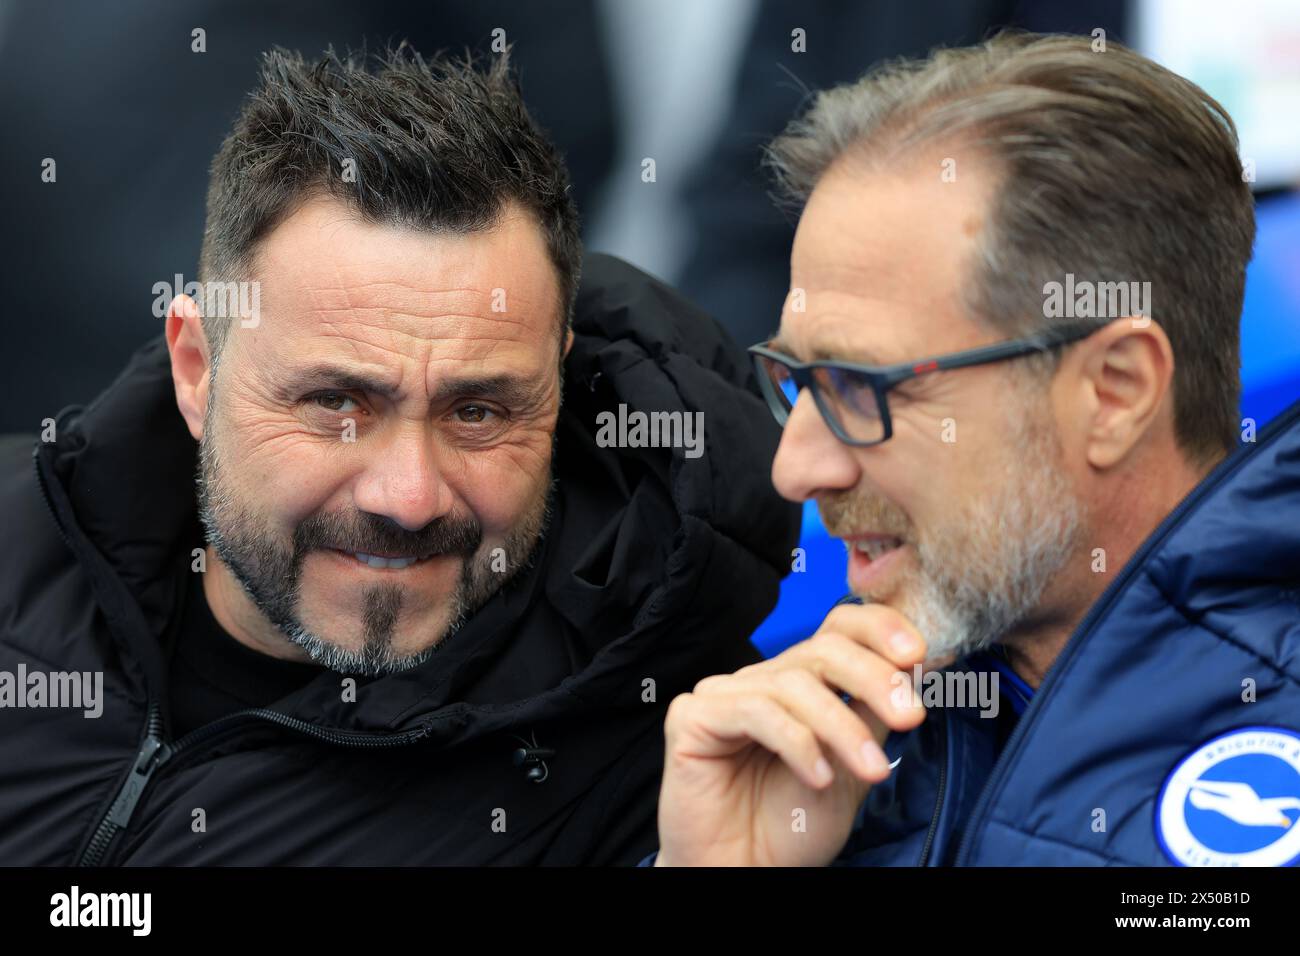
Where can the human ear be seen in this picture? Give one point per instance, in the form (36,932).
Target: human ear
(1126,371)
(191,361)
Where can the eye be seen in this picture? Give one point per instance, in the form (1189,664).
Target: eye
(852,391)
(474,414)
(335,402)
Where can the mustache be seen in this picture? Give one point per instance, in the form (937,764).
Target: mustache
(852,512)
(375,534)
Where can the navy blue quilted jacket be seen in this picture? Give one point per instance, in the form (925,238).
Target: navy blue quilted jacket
(1168,731)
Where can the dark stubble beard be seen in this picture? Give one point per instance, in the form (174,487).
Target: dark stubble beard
(270,570)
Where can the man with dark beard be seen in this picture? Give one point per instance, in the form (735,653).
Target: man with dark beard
(1007,373)
(417,612)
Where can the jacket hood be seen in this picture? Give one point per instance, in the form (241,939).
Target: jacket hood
(655,566)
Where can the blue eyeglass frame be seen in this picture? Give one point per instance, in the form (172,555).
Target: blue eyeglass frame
(882,378)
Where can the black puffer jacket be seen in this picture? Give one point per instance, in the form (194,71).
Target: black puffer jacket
(656,568)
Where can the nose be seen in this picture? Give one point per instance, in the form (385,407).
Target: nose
(810,459)
(404,481)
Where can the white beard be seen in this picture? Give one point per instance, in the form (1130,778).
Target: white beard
(976,584)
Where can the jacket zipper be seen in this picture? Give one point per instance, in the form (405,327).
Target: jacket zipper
(938,800)
(152,754)
(155,752)
(1040,699)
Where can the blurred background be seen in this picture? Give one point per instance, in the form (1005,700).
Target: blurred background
(132,115)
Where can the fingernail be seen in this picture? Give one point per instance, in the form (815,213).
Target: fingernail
(822,771)
(874,757)
(902,643)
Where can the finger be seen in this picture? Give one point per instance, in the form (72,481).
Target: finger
(711,726)
(879,627)
(865,676)
(855,742)
(837,726)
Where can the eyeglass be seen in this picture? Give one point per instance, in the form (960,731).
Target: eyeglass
(852,398)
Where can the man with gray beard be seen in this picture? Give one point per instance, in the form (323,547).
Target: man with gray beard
(979,577)
(1063,506)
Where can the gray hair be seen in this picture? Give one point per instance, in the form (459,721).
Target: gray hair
(1113,169)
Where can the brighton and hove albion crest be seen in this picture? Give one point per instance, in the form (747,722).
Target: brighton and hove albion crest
(1234,801)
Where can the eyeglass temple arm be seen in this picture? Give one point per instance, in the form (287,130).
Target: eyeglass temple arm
(986,354)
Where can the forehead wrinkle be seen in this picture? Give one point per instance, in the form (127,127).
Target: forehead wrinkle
(834,334)
(364,300)
(334,298)
(392,321)
(397,339)
(400,328)
(318,227)
(343,288)
(390,315)
(425,326)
